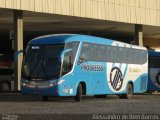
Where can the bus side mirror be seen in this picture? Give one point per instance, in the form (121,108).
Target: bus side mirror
(16,55)
(81,60)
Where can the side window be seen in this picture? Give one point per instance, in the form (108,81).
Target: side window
(69,57)
(154,62)
(67,64)
(135,57)
(124,55)
(74,47)
(114,54)
(95,55)
(97,52)
(131,55)
(120,54)
(143,56)
(108,54)
(103,53)
(86,54)
(138,57)
(128,56)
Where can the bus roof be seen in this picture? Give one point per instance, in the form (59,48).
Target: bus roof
(64,38)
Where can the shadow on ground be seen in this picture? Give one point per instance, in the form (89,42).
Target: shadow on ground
(17,97)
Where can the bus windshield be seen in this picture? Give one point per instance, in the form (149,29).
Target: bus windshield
(42,62)
(154,62)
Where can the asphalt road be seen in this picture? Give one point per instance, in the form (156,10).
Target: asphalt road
(15,103)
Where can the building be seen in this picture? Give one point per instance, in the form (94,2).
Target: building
(132,21)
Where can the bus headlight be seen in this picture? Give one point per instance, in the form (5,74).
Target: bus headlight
(60,82)
(23,84)
(56,83)
(52,84)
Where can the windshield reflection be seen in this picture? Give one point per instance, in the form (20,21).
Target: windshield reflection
(42,62)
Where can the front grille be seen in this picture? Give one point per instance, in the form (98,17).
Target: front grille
(44,83)
(38,83)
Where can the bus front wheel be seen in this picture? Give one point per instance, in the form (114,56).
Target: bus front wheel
(129,92)
(78,96)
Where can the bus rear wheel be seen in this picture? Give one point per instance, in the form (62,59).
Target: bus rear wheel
(45,98)
(129,92)
(78,96)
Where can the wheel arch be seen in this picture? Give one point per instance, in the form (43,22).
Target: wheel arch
(84,89)
(132,83)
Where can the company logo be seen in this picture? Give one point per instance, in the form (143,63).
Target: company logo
(158,78)
(116,79)
(86,67)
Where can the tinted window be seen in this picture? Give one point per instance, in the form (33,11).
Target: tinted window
(154,62)
(115,54)
(42,62)
(86,52)
(108,54)
(74,47)
(69,57)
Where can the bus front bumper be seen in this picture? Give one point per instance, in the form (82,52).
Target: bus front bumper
(44,91)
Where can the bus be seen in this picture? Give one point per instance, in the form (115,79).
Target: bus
(154,71)
(77,65)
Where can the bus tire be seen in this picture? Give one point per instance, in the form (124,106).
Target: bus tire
(78,96)
(129,92)
(100,96)
(45,98)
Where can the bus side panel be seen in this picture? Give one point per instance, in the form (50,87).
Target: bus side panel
(154,79)
(99,81)
(140,84)
(154,71)
(117,77)
(71,82)
(125,73)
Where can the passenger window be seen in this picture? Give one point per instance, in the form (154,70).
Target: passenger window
(114,54)
(85,54)
(67,64)
(74,47)
(108,54)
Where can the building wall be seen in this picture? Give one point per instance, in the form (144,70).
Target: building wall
(129,11)
(152,43)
